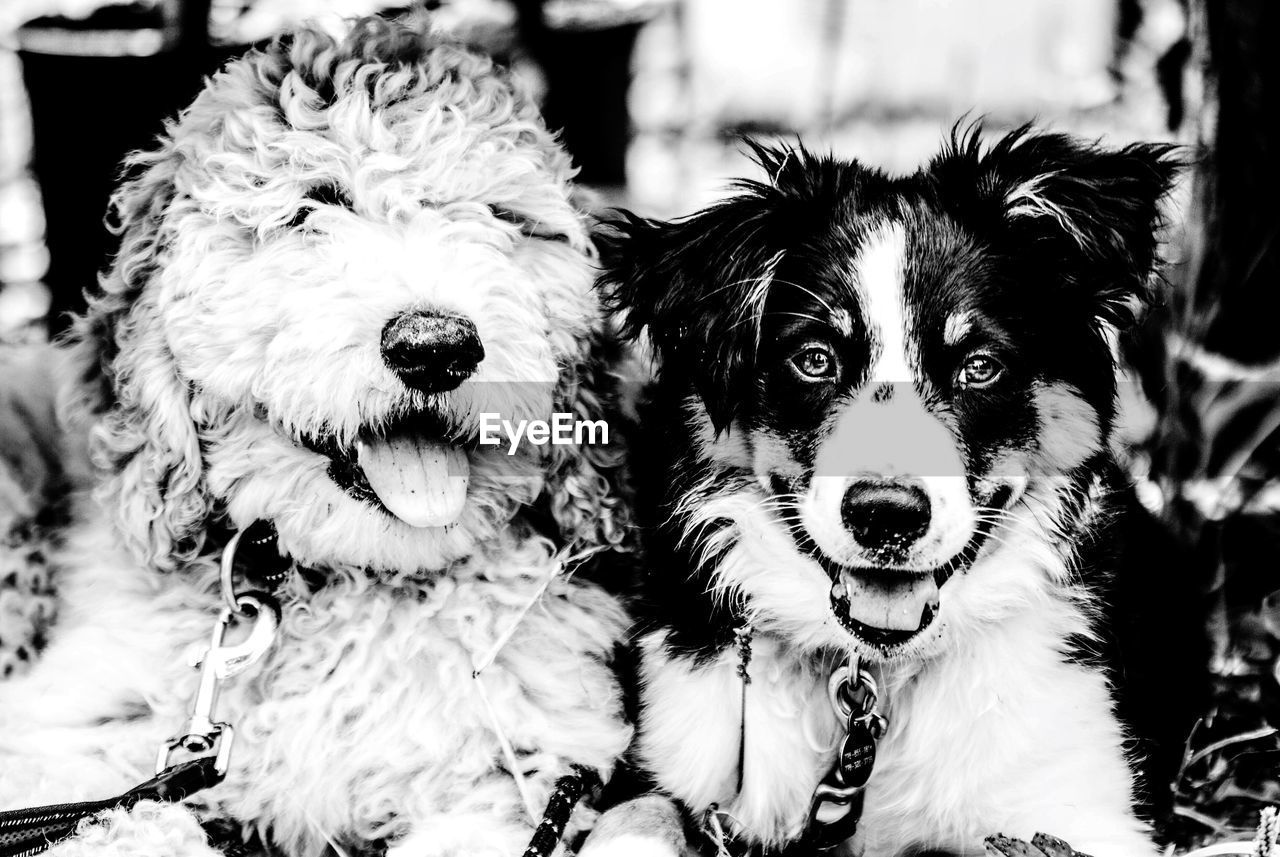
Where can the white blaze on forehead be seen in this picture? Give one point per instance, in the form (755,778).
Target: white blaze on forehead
(878,272)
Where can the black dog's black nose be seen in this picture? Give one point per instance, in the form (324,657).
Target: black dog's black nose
(431,351)
(885,515)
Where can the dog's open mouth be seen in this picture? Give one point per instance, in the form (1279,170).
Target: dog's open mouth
(889,607)
(886,608)
(413,468)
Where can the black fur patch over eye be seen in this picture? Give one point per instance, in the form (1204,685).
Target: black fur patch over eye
(319,196)
(527,227)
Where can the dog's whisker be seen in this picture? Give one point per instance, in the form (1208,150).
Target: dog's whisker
(508,750)
(809,292)
(712,293)
(802,315)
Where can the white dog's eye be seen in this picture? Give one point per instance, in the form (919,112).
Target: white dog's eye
(815,363)
(329,194)
(319,196)
(527,227)
(980,370)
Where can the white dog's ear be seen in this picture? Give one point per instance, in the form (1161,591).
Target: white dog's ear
(586,484)
(143,431)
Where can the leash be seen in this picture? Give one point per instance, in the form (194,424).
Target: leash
(569,789)
(25,832)
(717,831)
(742,639)
(198,757)
(836,806)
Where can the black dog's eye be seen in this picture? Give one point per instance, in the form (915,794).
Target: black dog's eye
(980,370)
(327,194)
(815,363)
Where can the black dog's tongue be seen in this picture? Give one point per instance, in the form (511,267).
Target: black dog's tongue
(893,601)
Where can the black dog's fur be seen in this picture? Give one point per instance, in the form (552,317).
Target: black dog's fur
(685,282)
(1044,284)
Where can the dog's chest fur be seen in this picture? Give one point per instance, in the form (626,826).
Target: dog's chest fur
(1004,734)
(364,715)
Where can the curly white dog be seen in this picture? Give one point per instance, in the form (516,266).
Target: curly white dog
(340,255)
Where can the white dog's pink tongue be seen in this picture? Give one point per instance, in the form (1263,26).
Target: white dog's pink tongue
(422,482)
(892,601)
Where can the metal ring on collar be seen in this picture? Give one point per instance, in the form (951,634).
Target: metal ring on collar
(851,690)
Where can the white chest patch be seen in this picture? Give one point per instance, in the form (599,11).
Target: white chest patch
(878,275)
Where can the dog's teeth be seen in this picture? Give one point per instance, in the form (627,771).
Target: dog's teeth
(422,482)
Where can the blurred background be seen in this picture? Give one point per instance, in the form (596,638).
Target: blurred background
(650,95)
(652,98)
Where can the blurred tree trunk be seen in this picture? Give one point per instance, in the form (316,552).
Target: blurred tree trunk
(1217,454)
(1234,283)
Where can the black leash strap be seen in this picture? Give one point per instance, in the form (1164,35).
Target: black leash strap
(25,832)
(569,790)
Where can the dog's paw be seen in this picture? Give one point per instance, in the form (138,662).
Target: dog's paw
(649,826)
(1041,845)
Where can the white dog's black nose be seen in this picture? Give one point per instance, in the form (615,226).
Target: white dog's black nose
(430,351)
(885,516)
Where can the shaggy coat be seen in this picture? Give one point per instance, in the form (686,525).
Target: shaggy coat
(234,366)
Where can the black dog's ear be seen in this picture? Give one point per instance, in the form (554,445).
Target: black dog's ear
(698,286)
(1094,211)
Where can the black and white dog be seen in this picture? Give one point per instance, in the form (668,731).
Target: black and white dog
(880,430)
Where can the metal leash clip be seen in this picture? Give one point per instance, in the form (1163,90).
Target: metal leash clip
(205,742)
(836,807)
(204,735)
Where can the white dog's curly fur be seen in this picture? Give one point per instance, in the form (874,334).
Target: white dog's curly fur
(313,191)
